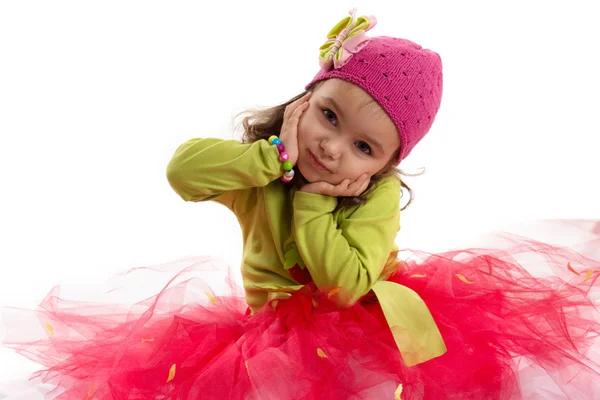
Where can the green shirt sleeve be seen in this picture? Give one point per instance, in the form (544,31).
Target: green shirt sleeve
(350,253)
(210,168)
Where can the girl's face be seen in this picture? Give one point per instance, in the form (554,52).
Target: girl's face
(343,134)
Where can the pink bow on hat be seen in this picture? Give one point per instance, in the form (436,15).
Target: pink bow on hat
(345,39)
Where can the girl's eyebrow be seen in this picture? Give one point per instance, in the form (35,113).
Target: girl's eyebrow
(374,142)
(337,107)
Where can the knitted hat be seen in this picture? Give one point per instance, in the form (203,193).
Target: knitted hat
(404,78)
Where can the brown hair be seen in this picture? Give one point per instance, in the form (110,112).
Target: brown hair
(262,123)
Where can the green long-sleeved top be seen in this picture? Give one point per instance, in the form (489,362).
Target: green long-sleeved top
(346,248)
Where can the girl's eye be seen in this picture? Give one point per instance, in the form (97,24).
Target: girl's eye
(331,117)
(363,147)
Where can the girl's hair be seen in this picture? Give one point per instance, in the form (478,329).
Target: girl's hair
(262,123)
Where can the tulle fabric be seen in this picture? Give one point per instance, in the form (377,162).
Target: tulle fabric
(509,334)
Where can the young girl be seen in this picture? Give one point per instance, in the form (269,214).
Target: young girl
(329,311)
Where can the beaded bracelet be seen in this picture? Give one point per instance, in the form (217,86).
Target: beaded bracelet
(288,175)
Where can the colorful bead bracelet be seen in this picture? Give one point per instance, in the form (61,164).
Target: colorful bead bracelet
(288,167)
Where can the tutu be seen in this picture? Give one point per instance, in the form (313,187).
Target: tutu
(509,334)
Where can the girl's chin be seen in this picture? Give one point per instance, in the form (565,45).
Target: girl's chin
(307,174)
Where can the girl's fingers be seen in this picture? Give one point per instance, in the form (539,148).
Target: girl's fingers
(293,121)
(346,188)
(344,184)
(293,106)
(292,118)
(353,188)
(363,187)
(342,188)
(299,110)
(358,184)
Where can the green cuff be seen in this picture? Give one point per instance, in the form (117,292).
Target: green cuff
(304,201)
(272,157)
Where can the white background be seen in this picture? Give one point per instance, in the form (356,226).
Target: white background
(96,96)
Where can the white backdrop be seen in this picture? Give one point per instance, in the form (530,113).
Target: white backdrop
(96,96)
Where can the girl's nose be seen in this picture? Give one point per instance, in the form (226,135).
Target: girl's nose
(331,148)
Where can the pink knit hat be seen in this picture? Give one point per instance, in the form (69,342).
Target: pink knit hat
(404,78)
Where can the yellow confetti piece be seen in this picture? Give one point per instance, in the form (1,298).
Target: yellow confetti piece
(321,353)
(171,373)
(211,298)
(398,392)
(90,393)
(247,368)
(465,280)
(333,292)
(418,275)
(144,340)
(588,275)
(50,329)
(572,270)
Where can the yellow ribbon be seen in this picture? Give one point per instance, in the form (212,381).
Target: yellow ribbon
(415,332)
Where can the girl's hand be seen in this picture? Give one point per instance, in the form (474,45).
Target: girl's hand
(289,129)
(346,188)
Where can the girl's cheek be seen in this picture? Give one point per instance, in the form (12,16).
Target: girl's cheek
(305,123)
(301,125)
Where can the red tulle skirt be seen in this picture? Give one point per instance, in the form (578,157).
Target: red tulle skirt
(509,334)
